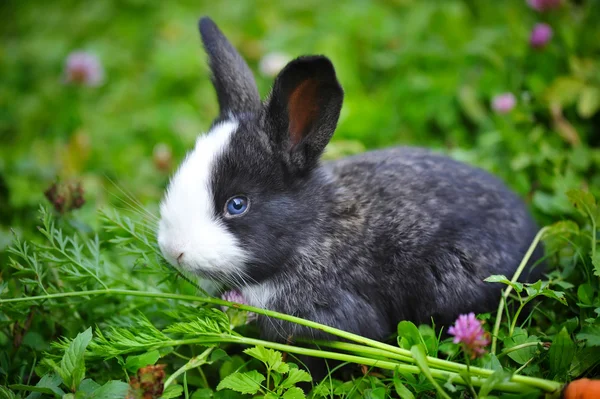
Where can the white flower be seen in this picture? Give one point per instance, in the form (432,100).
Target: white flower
(272,63)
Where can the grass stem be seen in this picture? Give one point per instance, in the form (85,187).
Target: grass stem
(508,289)
(441,369)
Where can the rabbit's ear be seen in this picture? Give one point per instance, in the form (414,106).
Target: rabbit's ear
(303,109)
(231,76)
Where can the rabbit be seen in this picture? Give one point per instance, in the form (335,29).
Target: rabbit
(359,243)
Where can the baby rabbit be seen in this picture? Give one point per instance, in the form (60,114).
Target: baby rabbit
(359,243)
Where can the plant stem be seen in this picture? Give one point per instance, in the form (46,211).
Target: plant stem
(449,368)
(593,239)
(444,375)
(192,364)
(418,351)
(444,364)
(469,384)
(439,363)
(185,387)
(508,289)
(361,349)
(593,221)
(203,376)
(524,365)
(516,348)
(517,313)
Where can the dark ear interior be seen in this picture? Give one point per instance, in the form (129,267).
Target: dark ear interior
(232,78)
(304,108)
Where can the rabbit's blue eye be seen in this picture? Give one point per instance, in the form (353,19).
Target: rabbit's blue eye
(237,205)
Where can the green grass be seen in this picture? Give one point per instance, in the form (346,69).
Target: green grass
(414,73)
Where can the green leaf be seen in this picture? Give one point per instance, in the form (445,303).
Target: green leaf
(323,390)
(218,354)
(590,334)
(585,203)
(32,388)
(377,393)
(231,365)
(519,337)
(72,364)
(450,387)
(209,321)
(134,363)
(248,382)
(596,263)
(50,381)
(430,339)
(294,393)
(114,390)
(276,377)
(471,105)
(87,386)
(558,295)
(565,285)
(490,361)
(559,233)
(541,288)
(564,90)
(533,289)
(571,324)
(409,335)
(585,294)
(589,101)
(202,393)
(295,376)
(172,391)
(55,367)
(35,341)
(418,353)
(561,353)
(271,358)
(401,389)
(564,227)
(6,393)
(498,377)
(586,359)
(344,389)
(227,394)
(498,278)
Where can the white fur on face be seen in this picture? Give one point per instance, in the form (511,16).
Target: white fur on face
(188,224)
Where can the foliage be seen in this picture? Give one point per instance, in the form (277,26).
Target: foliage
(283,376)
(88,308)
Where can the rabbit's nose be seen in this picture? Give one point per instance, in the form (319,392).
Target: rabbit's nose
(172,252)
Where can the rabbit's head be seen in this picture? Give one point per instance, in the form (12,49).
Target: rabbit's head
(243,198)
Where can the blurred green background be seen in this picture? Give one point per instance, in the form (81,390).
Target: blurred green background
(414,72)
(93,93)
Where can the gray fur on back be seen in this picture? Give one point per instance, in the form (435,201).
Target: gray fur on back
(404,233)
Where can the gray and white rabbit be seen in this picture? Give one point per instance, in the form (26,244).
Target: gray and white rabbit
(359,243)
